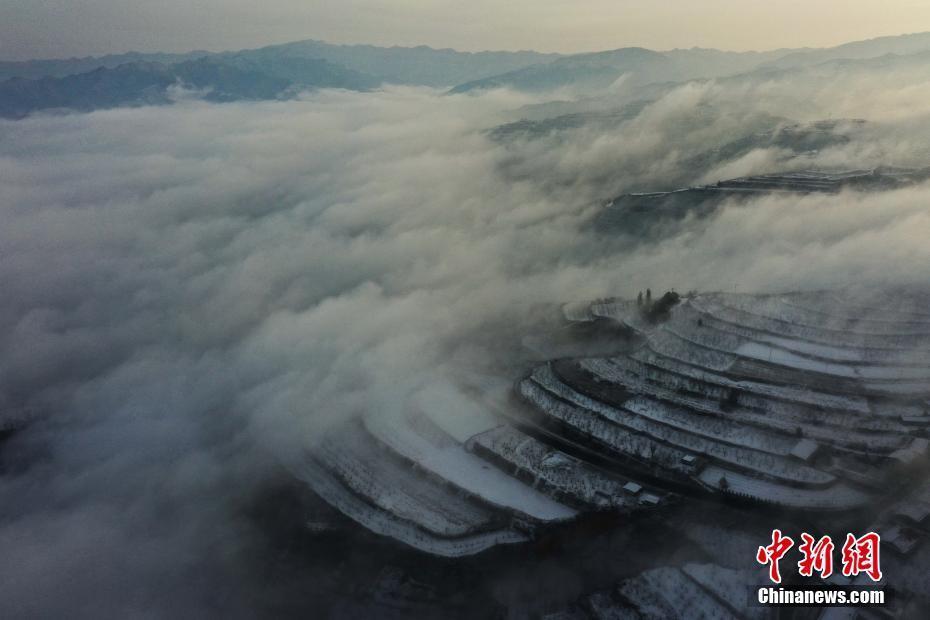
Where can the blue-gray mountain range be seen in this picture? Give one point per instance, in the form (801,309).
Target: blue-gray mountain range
(281,71)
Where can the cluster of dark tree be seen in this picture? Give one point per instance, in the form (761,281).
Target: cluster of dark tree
(656,311)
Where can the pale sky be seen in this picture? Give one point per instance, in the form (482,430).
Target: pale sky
(56,28)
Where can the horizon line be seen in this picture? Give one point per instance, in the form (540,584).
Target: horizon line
(458,51)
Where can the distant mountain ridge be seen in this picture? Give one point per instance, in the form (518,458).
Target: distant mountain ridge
(420,66)
(905,44)
(62,67)
(593,70)
(84,84)
(424,66)
(152,83)
(280,71)
(636,66)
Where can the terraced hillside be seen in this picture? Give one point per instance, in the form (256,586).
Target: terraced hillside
(455,487)
(638,213)
(693,591)
(804,401)
(810,403)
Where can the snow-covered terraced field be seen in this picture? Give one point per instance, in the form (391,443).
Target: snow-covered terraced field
(388,524)
(780,368)
(701,591)
(768,394)
(669,593)
(701,417)
(911,306)
(450,461)
(763,464)
(705,443)
(776,307)
(796,401)
(735,423)
(780,357)
(559,473)
(729,343)
(728,586)
(828,346)
(837,497)
(355,460)
(781,401)
(893,309)
(669,344)
(616,440)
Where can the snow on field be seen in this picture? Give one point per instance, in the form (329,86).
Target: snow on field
(906,308)
(822,351)
(668,593)
(869,344)
(557,471)
(386,524)
(743,457)
(698,416)
(835,347)
(729,586)
(758,351)
(772,355)
(727,343)
(898,388)
(837,497)
(691,312)
(357,462)
(614,438)
(830,427)
(776,307)
(450,461)
(800,395)
(834,308)
(671,345)
(812,350)
(737,424)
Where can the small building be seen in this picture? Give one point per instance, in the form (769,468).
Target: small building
(632,488)
(805,450)
(691,463)
(649,499)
